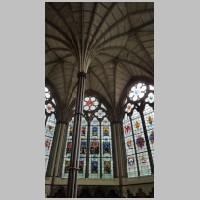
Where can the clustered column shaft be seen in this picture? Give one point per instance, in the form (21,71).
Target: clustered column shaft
(76,138)
(120,154)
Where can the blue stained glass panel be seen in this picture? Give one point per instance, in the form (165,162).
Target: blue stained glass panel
(83,147)
(94,130)
(94,167)
(106,147)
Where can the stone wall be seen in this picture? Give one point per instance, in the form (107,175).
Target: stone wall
(140,187)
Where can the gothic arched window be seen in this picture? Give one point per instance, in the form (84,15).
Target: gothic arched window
(95,159)
(139,129)
(50,123)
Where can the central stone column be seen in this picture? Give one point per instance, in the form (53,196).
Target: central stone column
(76,138)
(119,149)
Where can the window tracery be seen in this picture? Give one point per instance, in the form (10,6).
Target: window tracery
(139,105)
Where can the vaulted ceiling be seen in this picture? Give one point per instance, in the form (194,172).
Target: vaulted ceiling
(113,42)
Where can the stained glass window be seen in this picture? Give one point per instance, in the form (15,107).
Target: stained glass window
(139,124)
(129,107)
(83,150)
(149,121)
(67,153)
(130,150)
(100,114)
(90,103)
(96,143)
(106,138)
(49,133)
(50,124)
(94,160)
(141,147)
(137,91)
(150,98)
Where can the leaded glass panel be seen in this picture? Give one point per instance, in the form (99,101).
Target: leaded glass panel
(149,121)
(49,133)
(107,162)
(130,150)
(132,166)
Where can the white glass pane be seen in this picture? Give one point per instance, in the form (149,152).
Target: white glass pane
(144,87)
(151,87)
(93,98)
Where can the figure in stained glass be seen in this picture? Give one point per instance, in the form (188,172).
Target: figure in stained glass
(105,131)
(140,141)
(151,137)
(137,124)
(143,160)
(94,166)
(94,147)
(81,164)
(150,120)
(127,128)
(129,143)
(83,131)
(94,131)
(70,131)
(107,169)
(130,161)
(83,147)
(106,147)
(47,144)
(69,147)
(67,165)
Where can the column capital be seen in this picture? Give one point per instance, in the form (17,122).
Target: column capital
(76,139)
(79,74)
